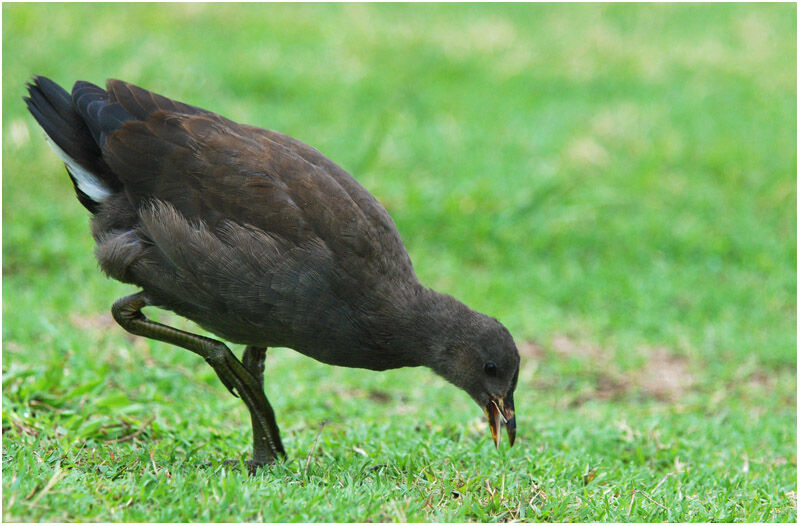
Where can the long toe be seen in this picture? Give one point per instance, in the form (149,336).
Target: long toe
(225,374)
(253,466)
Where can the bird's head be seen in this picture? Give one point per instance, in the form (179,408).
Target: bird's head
(480,357)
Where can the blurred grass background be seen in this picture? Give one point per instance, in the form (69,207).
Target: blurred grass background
(616,183)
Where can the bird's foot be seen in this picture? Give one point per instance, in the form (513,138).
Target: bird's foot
(221,360)
(252,465)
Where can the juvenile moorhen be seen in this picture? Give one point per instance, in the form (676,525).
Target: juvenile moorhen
(263,241)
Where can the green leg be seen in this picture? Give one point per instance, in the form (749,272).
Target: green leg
(253,360)
(237,378)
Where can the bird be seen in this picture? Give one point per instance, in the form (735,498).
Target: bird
(263,241)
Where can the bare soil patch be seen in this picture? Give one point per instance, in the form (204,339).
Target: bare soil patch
(665,375)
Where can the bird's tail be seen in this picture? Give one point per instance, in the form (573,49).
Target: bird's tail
(58,113)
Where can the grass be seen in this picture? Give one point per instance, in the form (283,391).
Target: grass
(616,183)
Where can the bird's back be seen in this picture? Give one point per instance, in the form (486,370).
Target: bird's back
(213,169)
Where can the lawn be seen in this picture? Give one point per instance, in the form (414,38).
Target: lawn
(616,183)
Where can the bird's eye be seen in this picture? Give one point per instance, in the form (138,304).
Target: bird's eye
(490,368)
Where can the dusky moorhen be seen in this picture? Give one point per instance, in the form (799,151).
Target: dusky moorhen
(263,241)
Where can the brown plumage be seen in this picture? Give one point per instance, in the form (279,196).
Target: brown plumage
(263,241)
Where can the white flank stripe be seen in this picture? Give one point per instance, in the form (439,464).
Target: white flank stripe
(87,181)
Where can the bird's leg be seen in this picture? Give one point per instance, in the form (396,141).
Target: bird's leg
(253,360)
(235,376)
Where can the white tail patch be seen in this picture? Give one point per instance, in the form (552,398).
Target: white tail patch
(86,180)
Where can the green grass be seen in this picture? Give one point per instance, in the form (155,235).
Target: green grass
(615,183)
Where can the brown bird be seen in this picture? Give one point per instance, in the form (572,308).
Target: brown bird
(263,241)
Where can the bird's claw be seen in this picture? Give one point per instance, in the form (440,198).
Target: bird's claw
(224,374)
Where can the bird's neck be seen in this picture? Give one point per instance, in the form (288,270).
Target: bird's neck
(421,329)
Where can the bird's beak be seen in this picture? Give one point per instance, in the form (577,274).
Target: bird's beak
(501,411)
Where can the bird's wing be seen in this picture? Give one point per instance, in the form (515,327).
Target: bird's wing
(212,169)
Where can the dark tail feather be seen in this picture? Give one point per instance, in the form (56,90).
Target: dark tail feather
(100,114)
(72,140)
